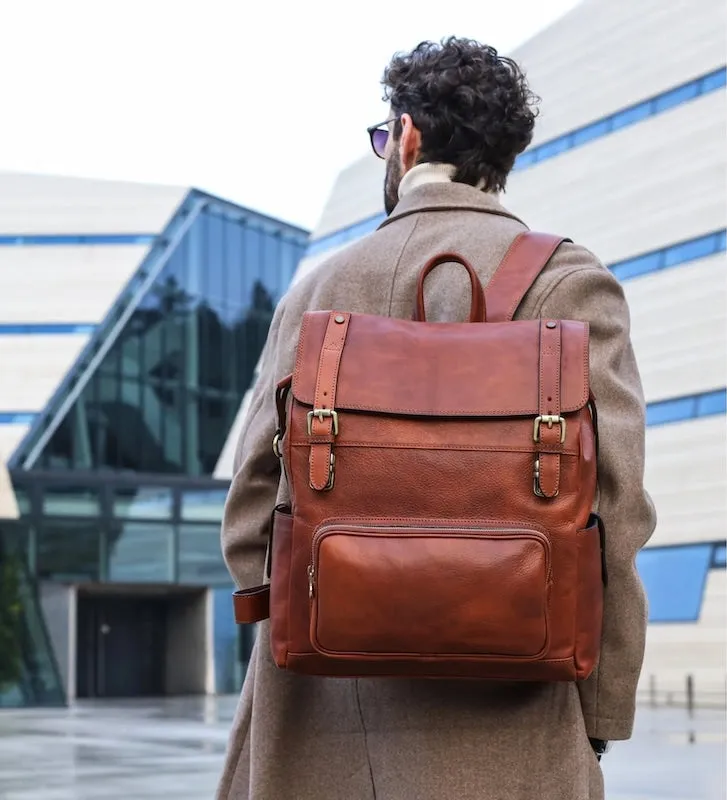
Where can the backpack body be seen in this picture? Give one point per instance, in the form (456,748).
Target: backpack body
(442,479)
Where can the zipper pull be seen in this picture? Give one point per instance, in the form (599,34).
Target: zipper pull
(311,580)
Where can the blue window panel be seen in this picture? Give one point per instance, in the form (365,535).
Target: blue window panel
(712,403)
(671,256)
(46,328)
(676,97)
(674,579)
(16,417)
(683,408)
(713,81)
(553,148)
(719,556)
(345,235)
(526,159)
(630,116)
(590,132)
(670,410)
(633,267)
(692,250)
(56,240)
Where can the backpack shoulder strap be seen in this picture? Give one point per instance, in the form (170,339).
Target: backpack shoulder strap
(523,262)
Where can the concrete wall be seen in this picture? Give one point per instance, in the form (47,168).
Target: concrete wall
(187,644)
(605,55)
(45,204)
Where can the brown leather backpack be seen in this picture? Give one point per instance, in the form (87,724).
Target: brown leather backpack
(442,478)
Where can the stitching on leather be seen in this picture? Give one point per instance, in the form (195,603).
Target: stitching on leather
(469,659)
(555,449)
(299,355)
(455,412)
(332,348)
(429,522)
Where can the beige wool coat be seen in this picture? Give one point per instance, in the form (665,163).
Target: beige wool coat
(307,738)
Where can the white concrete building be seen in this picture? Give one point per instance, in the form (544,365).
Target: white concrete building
(629,159)
(131,320)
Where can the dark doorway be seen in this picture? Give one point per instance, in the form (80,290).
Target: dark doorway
(121,646)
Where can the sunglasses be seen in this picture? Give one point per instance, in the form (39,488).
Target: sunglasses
(379,135)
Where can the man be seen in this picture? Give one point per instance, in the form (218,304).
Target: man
(460,114)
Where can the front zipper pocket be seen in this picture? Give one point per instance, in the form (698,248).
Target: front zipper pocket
(395,591)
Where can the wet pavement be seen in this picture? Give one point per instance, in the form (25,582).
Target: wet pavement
(174,748)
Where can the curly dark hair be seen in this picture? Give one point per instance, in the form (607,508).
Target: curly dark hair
(473,107)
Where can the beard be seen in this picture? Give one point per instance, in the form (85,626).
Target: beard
(391,184)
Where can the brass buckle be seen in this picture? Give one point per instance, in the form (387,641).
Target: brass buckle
(549,420)
(320,414)
(331,475)
(276,444)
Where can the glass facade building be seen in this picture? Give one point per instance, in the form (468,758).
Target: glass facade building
(114,480)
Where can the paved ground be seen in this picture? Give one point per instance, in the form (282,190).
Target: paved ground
(174,749)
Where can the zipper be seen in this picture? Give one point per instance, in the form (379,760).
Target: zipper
(311,580)
(355,528)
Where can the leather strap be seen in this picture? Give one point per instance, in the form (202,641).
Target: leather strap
(525,259)
(549,431)
(323,421)
(251,605)
(281,396)
(478,312)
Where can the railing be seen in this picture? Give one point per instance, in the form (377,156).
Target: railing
(689,693)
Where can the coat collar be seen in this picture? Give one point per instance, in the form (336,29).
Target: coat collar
(447,197)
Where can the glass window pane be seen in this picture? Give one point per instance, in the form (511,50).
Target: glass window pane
(215,262)
(145,502)
(638,266)
(674,579)
(670,411)
(210,307)
(204,504)
(629,116)
(140,552)
(23,499)
(590,132)
(235,267)
(714,81)
(554,148)
(690,251)
(70,501)
(69,550)
(525,159)
(677,96)
(200,555)
(712,403)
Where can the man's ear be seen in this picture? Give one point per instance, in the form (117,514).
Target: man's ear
(410,143)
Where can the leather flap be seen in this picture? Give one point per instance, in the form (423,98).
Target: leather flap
(441,369)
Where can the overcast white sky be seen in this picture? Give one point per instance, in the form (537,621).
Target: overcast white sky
(262,102)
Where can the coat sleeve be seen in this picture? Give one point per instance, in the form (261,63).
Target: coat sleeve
(256,475)
(590,293)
